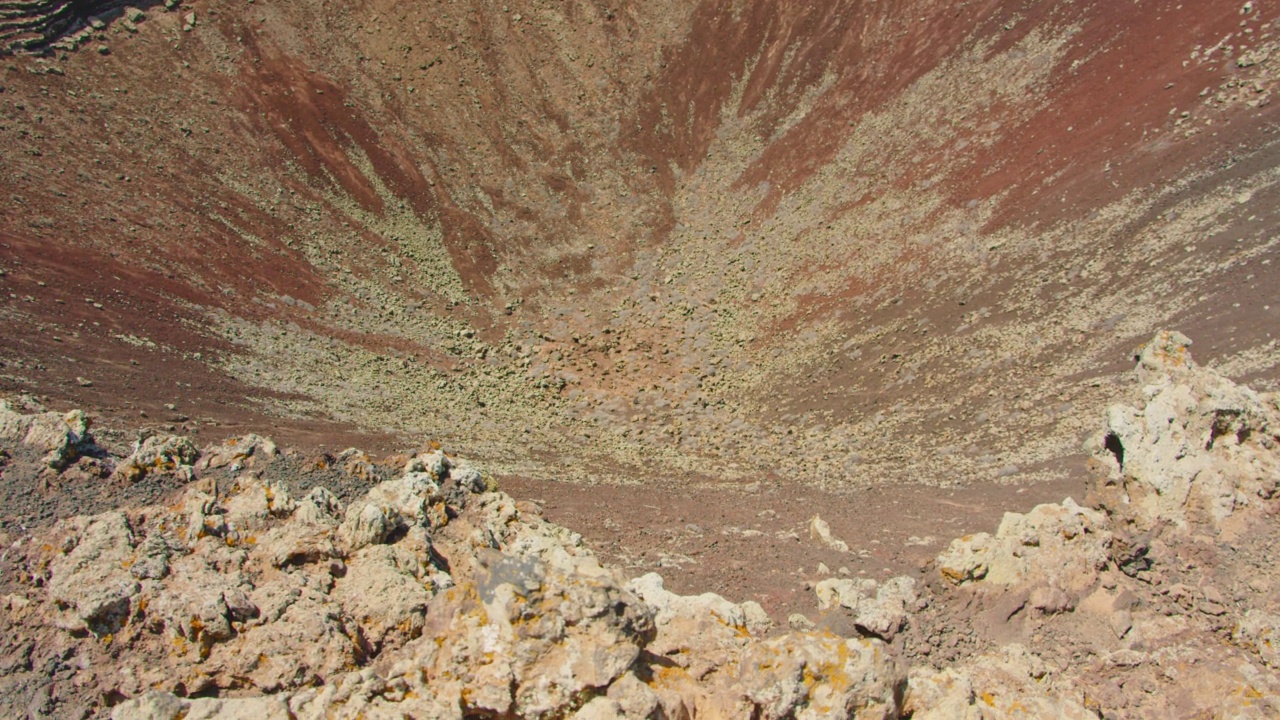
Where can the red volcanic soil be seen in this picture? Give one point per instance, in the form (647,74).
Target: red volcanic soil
(756,544)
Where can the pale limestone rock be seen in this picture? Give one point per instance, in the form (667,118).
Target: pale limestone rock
(252,505)
(1063,546)
(367,523)
(1009,683)
(308,642)
(700,633)
(357,464)
(632,697)
(1260,631)
(309,538)
(820,676)
(153,555)
(297,543)
(246,451)
(468,477)
(151,706)
(434,463)
(90,579)
(820,531)
(391,507)
(320,507)
(668,606)
(204,516)
(13,423)
(193,607)
(386,590)
(60,437)
(879,610)
(1198,449)
(164,706)
(967,558)
(158,455)
(941,695)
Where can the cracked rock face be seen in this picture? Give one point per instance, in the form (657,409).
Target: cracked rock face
(433,596)
(1196,450)
(1156,601)
(413,600)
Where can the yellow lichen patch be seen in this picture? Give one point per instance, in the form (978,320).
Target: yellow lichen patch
(668,676)
(988,698)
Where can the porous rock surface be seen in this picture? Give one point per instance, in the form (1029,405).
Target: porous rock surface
(434,595)
(1157,599)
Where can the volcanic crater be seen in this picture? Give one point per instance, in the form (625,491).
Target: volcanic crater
(683,274)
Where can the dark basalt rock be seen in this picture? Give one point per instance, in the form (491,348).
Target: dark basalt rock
(33,25)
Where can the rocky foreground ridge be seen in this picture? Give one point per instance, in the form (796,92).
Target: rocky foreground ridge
(435,595)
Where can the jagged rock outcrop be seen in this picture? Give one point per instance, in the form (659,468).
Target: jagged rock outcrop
(35,25)
(433,595)
(1198,448)
(430,596)
(60,437)
(25,24)
(1157,601)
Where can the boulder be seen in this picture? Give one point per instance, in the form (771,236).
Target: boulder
(158,455)
(61,438)
(820,532)
(90,579)
(1194,452)
(239,453)
(1059,545)
(880,610)
(1009,682)
(392,507)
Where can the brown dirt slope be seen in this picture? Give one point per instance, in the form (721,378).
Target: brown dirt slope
(715,241)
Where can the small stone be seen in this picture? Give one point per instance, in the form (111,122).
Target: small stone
(84,382)
(820,531)
(799,622)
(1209,607)
(1121,623)
(133,14)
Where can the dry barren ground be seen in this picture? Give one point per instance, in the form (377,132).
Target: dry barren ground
(681,272)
